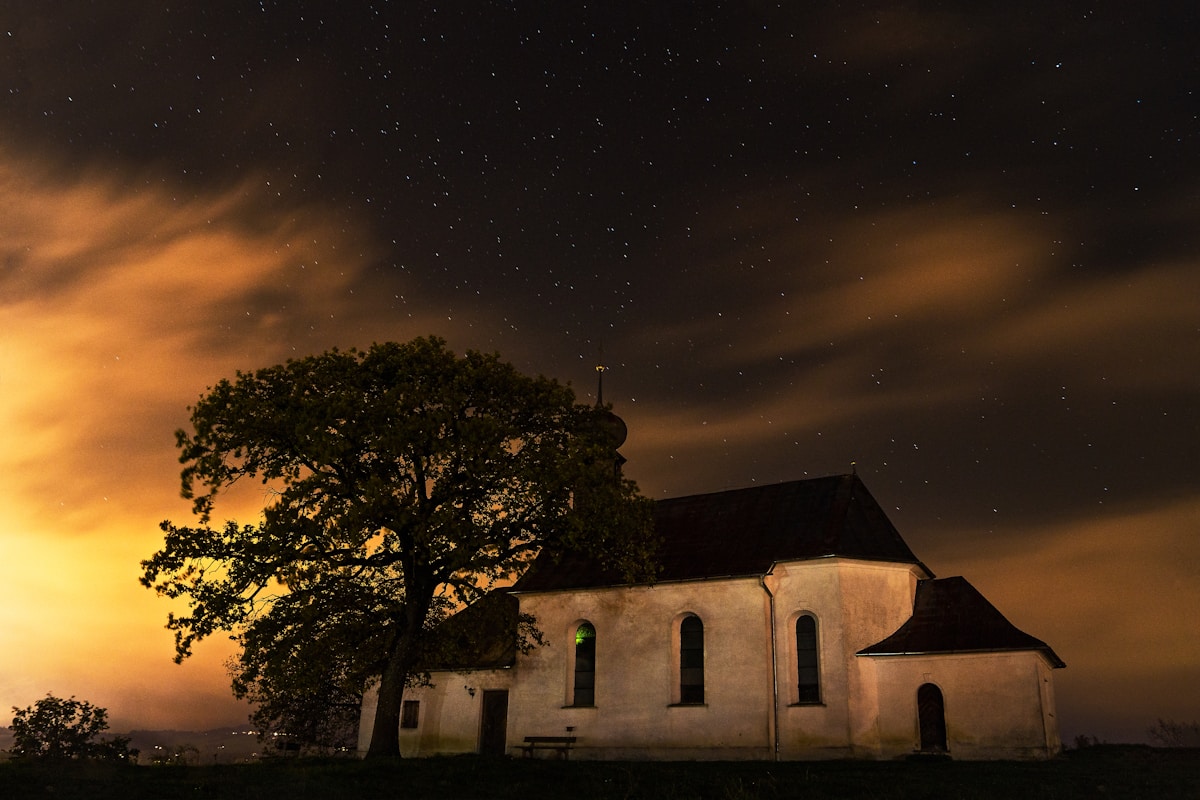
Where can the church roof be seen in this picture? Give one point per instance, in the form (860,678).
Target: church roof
(951,616)
(743,532)
(480,636)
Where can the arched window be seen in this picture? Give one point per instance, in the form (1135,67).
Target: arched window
(691,661)
(808,679)
(931,716)
(585,665)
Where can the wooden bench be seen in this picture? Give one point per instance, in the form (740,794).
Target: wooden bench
(560,743)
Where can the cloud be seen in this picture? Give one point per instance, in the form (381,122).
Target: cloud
(889,313)
(1141,324)
(1109,593)
(119,304)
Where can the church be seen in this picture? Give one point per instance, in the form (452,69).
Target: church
(788,621)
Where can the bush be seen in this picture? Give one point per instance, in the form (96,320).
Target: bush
(1169,733)
(54,729)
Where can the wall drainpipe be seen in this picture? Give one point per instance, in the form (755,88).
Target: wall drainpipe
(773,721)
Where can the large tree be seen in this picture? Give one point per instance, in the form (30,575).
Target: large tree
(406,483)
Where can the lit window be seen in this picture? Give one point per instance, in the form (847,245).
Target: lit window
(585,665)
(691,661)
(808,678)
(409,713)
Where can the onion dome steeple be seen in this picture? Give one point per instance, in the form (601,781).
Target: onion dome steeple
(612,425)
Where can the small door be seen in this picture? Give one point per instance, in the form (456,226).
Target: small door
(931,715)
(493,728)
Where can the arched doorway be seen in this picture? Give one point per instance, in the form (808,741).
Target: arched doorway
(931,716)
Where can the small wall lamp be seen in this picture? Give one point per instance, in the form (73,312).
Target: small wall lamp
(470,690)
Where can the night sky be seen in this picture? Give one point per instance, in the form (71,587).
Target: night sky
(957,249)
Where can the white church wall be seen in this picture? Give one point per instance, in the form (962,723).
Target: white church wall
(855,604)
(636,712)
(997,705)
(448,714)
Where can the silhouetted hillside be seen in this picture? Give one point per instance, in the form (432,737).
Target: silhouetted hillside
(218,745)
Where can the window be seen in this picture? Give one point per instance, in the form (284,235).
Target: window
(691,661)
(585,665)
(808,679)
(409,713)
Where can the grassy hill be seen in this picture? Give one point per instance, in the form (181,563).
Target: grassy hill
(1103,771)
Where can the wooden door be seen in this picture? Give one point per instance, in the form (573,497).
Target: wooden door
(931,716)
(493,727)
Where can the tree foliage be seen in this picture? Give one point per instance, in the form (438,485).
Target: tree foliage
(303,688)
(407,483)
(55,729)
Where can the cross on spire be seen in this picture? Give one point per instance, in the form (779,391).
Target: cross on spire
(600,370)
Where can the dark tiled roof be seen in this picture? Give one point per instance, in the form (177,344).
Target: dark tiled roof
(951,616)
(744,531)
(481,636)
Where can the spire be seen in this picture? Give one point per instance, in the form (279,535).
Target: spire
(600,370)
(613,425)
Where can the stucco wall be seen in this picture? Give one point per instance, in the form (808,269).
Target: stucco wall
(997,705)
(449,715)
(855,603)
(635,713)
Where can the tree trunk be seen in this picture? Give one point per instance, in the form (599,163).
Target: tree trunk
(385,731)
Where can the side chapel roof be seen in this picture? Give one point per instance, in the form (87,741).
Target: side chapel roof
(481,636)
(951,616)
(742,532)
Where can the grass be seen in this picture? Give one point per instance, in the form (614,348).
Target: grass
(1104,771)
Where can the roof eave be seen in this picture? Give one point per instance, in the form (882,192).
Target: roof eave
(732,576)
(1046,652)
(647,585)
